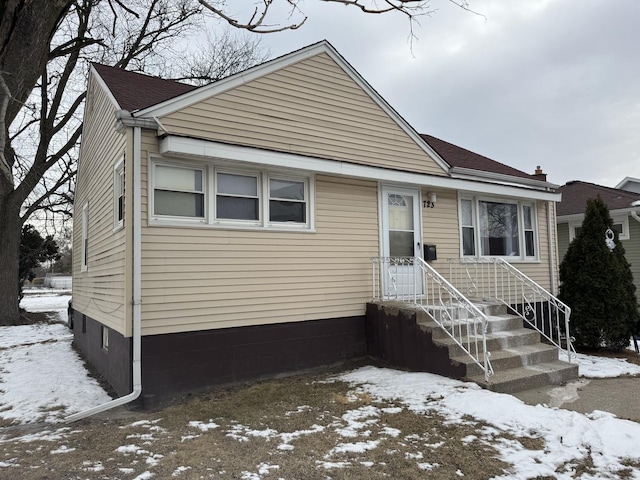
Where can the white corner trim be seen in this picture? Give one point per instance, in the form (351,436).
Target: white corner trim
(209,150)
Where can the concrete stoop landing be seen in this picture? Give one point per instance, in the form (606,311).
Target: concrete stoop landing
(520,359)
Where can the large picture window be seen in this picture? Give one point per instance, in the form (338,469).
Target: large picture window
(178,191)
(226,196)
(493,228)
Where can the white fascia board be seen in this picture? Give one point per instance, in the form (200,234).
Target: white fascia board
(461,172)
(200,94)
(205,149)
(96,76)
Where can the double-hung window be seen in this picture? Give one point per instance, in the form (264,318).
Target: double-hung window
(287,200)
(178,191)
(495,228)
(237,197)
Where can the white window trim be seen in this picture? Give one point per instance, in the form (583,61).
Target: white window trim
(209,184)
(118,184)
(84,261)
(475,199)
(172,219)
(307,199)
(617,220)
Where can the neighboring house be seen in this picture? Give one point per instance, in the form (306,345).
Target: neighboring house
(230,228)
(624,208)
(630,184)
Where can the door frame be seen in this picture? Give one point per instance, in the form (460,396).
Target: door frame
(383,217)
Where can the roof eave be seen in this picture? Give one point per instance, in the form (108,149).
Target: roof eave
(462,172)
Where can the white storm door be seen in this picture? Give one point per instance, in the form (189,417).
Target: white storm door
(401,240)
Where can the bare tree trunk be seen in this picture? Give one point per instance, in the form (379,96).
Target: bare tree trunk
(10,230)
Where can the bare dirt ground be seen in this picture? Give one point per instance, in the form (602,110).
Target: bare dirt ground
(301,427)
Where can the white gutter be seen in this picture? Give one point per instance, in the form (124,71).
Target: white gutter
(552,250)
(136,366)
(635,216)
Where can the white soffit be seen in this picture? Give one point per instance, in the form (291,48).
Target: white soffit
(209,150)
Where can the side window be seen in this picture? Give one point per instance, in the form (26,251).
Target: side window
(529,233)
(118,195)
(468,228)
(85,237)
(178,191)
(237,197)
(288,200)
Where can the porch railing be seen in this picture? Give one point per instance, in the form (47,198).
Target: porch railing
(496,279)
(411,280)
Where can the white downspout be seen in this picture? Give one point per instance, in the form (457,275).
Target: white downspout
(552,251)
(136,366)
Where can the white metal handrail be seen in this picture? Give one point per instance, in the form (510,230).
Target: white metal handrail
(412,280)
(495,278)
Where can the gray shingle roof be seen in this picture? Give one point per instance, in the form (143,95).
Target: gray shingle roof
(576,193)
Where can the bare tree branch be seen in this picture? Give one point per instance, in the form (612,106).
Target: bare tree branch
(256,21)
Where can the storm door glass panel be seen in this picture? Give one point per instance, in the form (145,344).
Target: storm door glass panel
(499,229)
(401,228)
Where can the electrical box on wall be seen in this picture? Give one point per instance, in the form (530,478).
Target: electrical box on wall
(430,253)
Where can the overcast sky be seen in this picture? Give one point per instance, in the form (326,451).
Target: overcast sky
(554,83)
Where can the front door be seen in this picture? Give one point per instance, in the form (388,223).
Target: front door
(401,239)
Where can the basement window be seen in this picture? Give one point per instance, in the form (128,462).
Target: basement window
(105,337)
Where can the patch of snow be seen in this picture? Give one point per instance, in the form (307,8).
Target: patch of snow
(591,366)
(357,447)
(179,471)
(203,426)
(392,432)
(330,465)
(568,436)
(428,466)
(62,449)
(126,470)
(144,476)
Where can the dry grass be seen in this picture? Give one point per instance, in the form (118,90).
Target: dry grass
(293,428)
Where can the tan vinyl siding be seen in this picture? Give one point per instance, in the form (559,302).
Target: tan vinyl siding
(99,292)
(440,227)
(311,108)
(203,278)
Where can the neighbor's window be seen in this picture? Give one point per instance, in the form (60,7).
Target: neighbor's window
(237,197)
(178,191)
(118,195)
(621,226)
(287,200)
(504,229)
(85,237)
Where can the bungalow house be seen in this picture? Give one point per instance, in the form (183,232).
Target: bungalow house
(623,202)
(227,232)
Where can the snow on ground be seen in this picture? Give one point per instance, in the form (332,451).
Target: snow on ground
(41,377)
(590,366)
(569,436)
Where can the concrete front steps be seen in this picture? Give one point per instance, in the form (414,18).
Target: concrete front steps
(520,360)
